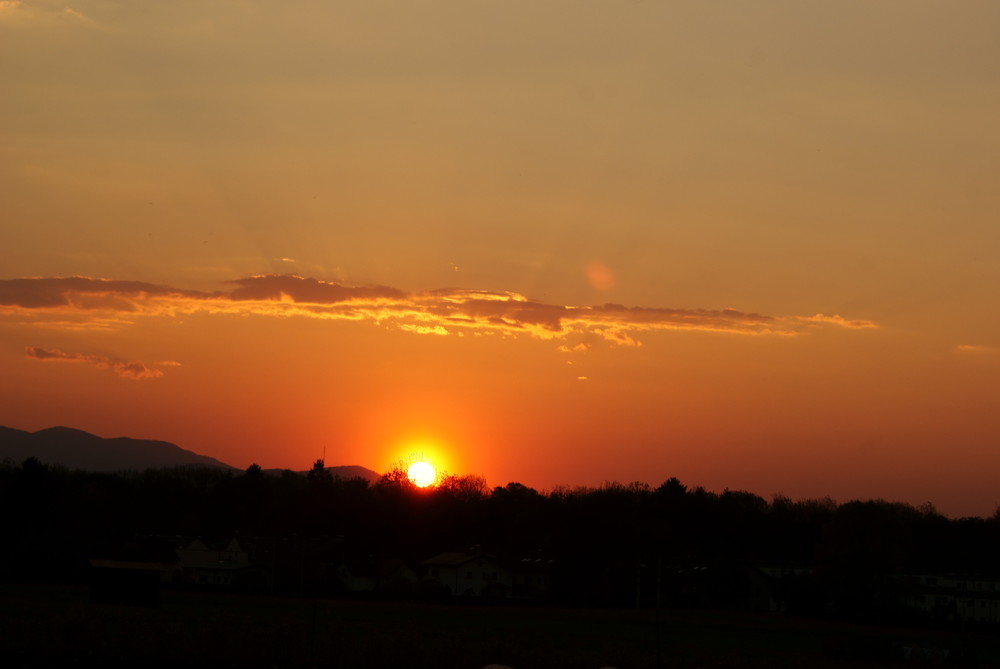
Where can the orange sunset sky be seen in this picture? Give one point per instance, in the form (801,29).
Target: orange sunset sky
(752,245)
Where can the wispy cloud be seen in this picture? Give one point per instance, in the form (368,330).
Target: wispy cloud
(837,319)
(134,370)
(105,303)
(17,13)
(978,349)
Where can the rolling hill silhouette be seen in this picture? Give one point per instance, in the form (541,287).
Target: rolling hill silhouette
(76,449)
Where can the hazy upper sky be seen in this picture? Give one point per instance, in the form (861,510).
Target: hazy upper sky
(748,244)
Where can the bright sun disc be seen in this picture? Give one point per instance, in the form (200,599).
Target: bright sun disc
(421,474)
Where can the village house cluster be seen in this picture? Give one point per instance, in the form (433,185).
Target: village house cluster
(324,567)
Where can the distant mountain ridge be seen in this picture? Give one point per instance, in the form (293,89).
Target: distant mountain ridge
(76,449)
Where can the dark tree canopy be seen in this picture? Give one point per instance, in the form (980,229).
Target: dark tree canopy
(595,536)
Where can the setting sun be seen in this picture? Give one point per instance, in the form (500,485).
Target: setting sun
(421,474)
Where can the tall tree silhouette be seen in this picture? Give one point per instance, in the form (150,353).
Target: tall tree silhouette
(319,474)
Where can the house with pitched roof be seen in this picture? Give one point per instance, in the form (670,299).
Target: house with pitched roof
(468,574)
(224,565)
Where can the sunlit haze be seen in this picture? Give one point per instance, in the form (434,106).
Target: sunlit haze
(748,245)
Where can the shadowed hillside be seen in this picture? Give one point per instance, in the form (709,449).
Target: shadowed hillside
(76,449)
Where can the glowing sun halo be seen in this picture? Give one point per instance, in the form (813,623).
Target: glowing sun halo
(421,474)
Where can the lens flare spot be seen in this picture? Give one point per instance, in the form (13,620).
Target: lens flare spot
(600,276)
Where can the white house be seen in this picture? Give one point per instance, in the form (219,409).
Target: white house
(219,566)
(955,596)
(469,574)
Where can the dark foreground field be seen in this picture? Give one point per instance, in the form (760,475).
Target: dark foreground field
(43,625)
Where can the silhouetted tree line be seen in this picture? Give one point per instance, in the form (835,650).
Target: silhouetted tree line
(611,545)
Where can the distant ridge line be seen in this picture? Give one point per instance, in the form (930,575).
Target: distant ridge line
(76,449)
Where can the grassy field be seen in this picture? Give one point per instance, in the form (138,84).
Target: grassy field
(42,625)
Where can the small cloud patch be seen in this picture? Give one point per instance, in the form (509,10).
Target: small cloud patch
(133,370)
